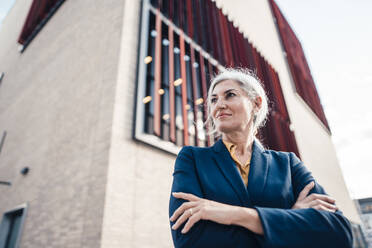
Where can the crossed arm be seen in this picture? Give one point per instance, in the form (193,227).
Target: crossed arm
(197,208)
(313,221)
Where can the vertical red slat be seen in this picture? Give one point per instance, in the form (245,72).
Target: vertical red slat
(278,93)
(257,63)
(210,69)
(224,38)
(227,44)
(189,19)
(205,93)
(233,44)
(157,99)
(250,57)
(170,10)
(184,91)
(239,48)
(180,14)
(172,103)
(213,18)
(199,23)
(194,91)
(211,73)
(280,132)
(244,48)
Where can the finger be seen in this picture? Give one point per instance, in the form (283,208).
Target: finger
(322,197)
(191,221)
(319,202)
(305,191)
(184,206)
(185,196)
(181,219)
(320,207)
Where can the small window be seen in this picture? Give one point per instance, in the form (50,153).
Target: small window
(11,227)
(2,141)
(359,240)
(40,12)
(1,77)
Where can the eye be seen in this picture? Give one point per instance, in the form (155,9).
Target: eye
(230,94)
(214,100)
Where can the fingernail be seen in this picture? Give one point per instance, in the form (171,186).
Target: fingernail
(174,227)
(183,231)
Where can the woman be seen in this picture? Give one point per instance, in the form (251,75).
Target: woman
(237,194)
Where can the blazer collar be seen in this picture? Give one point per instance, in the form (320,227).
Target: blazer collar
(257,173)
(228,168)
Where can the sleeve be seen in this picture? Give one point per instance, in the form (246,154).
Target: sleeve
(204,233)
(293,228)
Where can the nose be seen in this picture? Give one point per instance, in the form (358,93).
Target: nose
(220,104)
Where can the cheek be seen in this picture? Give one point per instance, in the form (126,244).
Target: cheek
(244,112)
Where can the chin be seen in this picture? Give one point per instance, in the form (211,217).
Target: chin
(225,128)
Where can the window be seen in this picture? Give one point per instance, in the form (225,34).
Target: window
(1,77)
(299,68)
(183,43)
(11,227)
(2,141)
(359,240)
(40,12)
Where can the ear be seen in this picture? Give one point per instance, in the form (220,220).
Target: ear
(258,102)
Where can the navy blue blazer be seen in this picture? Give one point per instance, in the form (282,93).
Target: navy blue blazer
(274,183)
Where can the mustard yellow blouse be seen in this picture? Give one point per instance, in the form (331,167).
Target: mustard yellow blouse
(243,169)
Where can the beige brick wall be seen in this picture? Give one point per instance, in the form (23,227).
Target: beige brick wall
(56,104)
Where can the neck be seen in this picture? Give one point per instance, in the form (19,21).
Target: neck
(243,141)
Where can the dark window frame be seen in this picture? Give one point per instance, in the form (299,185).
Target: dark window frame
(6,224)
(2,141)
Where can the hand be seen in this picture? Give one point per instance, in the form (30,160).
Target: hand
(316,201)
(199,209)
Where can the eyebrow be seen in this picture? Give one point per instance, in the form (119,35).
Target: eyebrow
(226,91)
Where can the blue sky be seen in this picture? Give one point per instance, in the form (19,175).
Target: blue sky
(5,5)
(337,37)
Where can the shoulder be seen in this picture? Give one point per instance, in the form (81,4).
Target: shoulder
(281,157)
(194,150)
(190,156)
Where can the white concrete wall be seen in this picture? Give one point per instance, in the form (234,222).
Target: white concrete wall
(255,19)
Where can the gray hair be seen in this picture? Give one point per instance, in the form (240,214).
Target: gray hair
(250,84)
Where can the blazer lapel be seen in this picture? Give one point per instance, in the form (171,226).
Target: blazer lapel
(227,166)
(258,171)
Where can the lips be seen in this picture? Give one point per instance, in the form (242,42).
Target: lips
(221,115)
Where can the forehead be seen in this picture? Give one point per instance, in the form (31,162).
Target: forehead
(224,85)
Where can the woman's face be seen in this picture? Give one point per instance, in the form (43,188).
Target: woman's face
(231,108)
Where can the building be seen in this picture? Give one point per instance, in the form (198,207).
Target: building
(365,211)
(96,98)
